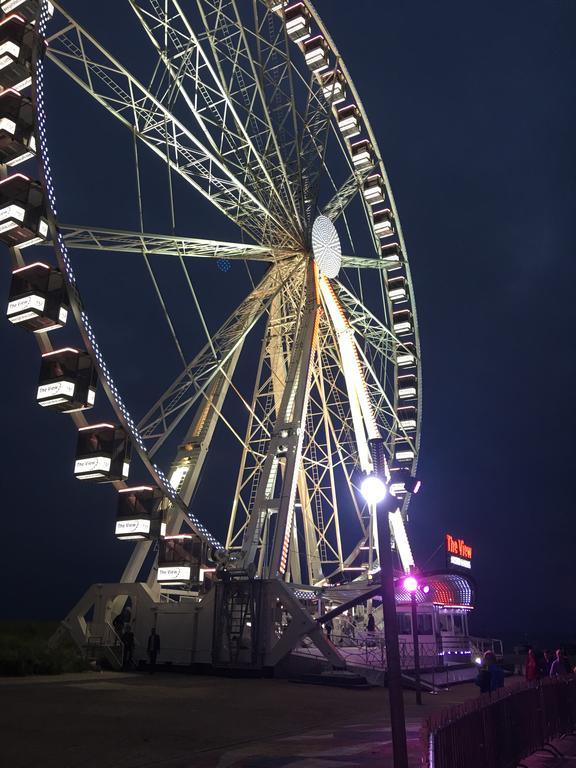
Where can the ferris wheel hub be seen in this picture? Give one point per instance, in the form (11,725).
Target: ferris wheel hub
(326,246)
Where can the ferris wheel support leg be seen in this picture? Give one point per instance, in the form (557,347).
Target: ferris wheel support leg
(134,565)
(295,570)
(301,625)
(278,366)
(313,564)
(286,443)
(292,419)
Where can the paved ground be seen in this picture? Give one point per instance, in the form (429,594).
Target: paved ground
(175,721)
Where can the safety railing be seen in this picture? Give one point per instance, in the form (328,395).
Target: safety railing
(104,640)
(368,649)
(498,730)
(480,645)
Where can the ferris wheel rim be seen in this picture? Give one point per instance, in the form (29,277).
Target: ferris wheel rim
(382,167)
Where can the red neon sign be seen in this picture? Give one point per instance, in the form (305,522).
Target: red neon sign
(458,547)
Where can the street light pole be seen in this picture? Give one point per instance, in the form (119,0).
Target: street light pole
(411,584)
(393,666)
(415,643)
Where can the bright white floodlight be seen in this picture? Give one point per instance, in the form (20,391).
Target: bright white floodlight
(373,489)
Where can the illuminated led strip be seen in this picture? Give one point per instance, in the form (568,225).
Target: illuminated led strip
(365,426)
(401,540)
(64,257)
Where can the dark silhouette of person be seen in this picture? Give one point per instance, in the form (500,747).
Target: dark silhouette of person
(118,624)
(128,642)
(490,676)
(548,661)
(532,670)
(371,625)
(329,627)
(153,649)
(560,665)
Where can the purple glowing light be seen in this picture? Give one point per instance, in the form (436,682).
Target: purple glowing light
(410,584)
(425,589)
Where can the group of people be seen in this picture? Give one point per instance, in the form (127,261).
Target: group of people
(126,635)
(540,664)
(348,628)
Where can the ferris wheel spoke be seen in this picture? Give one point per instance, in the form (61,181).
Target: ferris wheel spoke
(192,77)
(277,74)
(173,405)
(269,383)
(121,241)
(314,140)
(83,59)
(331,448)
(345,194)
(384,411)
(226,33)
(369,327)
(369,262)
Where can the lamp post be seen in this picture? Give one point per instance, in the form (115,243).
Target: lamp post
(376,494)
(411,585)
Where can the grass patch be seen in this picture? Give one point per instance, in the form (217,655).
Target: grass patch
(25,650)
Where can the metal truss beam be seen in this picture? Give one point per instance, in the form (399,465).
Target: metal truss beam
(276,491)
(367,262)
(313,142)
(367,324)
(237,63)
(81,57)
(190,385)
(277,74)
(283,318)
(101,239)
(193,78)
(345,194)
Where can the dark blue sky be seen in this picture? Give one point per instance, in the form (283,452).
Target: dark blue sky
(473,106)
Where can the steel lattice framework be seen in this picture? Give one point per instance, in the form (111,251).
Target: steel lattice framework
(251,105)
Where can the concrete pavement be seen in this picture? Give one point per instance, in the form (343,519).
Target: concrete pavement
(110,720)
(182,721)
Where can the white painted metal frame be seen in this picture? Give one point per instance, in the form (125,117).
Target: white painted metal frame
(260,144)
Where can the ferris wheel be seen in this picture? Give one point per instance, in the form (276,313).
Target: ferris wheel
(250,109)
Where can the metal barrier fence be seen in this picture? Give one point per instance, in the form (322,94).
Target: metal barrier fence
(497,730)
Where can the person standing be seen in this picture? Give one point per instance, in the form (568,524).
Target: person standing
(118,624)
(491,676)
(329,627)
(153,649)
(560,665)
(128,642)
(371,624)
(548,661)
(532,671)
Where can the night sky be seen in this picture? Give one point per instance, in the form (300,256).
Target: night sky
(473,106)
